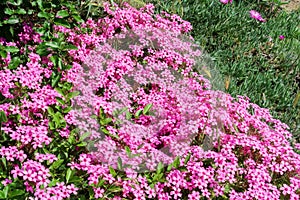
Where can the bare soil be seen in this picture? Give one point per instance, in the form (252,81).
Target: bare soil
(292,5)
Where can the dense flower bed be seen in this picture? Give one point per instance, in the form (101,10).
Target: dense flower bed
(45,151)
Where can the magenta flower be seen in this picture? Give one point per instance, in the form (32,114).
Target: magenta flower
(256,15)
(281,37)
(225,1)
(6,182)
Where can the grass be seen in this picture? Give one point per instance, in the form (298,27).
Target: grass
(268,72)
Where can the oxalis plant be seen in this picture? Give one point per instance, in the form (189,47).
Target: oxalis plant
(126,107)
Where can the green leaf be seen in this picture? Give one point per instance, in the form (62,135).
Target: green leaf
(227,189)
(57,164)
(104,130)
(11,49)
(61,22)
(85,135)
(2,195)
(51,126)
(21,11)
(70,47)
(120,164)
(140,146)
(82,144)
(112,171)
(115,188)
(71,139)
(3,54)
(5,191)
(9,11)
(4,162)
(18,117)
(11,30)
(60,64)
(50,111)
(16,3)
(45,15)
(151,113)
(3,117)
(138,113)
(63,13)
(60,100)
(69,174)
(75,179)
(72,94)
(128,151)
(157,177)
(52,44)
(176,162)
(30,12)
(59,90)
(160,168)
(55,80)
(67,109)
(105,121)
(101,113)
(58,118)
(14,63)
(128,115)
(236,128)
(53,182)
(147,108)
(170,166)
(67,67)
(67,86)
(11,20)
(100,183)
(40,4)
(16,192)
(78,18)
(187,158)
(42,50)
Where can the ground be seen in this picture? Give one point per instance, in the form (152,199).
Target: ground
(292,5)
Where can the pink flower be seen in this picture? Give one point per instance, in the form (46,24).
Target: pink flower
(99,192)
(194,196)
(256,15)
(281,37)
(6,182)
(297,146)
(225,1)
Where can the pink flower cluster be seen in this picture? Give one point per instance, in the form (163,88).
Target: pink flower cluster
(250,153)
(36,136)
(33,172)
(58,192)
(29,35)
(35,175)
(243,155)
(42,157)
(11,153)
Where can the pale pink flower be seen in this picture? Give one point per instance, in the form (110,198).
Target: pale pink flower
(6,182)
(256,15)
(99,192)
(225,1)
